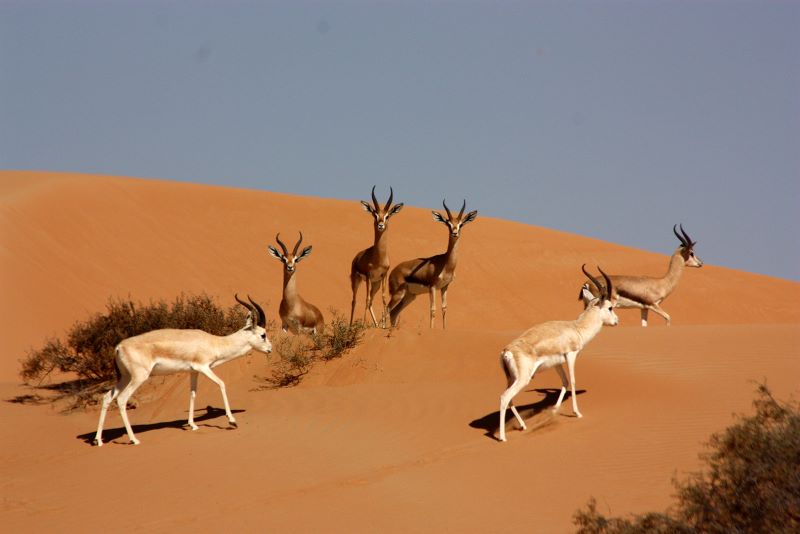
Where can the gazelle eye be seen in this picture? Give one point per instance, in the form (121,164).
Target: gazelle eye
(610,308)
(264,336)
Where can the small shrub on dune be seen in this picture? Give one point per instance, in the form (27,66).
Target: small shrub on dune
(88,350)
(298,354)
(295,359)
(339,336)
(752,483)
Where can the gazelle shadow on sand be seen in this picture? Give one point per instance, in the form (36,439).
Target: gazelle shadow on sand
(541,408)
(114,433)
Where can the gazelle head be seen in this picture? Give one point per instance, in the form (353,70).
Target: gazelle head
(687,248)
(256,326)
(381,214)
(290,261)
(454,224)
(607,299)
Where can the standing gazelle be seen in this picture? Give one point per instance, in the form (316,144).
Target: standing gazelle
(169,351)
(645,292)
(297,315)
(372,264)
(426,275)
(551,344)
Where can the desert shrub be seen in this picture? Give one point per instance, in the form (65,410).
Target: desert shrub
(752,483)
(295,358)
(88,351)
(298,354)
(338,337)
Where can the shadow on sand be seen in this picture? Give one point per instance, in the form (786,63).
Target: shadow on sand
(110,434)
(489,423)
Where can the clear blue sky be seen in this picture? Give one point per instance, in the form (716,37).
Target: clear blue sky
(614,120)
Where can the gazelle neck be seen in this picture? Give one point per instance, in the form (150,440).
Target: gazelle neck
(452,252)
(589,323)
(289,285)
(674,272)
(234,345)
(381,245)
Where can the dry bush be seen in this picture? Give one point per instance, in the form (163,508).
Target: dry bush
(298,354)
(88,350)
(338,337)
(752,483)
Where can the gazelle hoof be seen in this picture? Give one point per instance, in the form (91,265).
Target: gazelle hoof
(193,427)
(97,442)
(233,424)
(135,441)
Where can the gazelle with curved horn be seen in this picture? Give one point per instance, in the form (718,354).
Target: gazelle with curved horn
(552,344)
(372,264)
(170,351)
(645,292)
(297,315)
(426,275)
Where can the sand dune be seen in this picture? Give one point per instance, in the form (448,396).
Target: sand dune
(397,436)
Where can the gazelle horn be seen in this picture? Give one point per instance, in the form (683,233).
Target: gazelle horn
(262,317)
(294,252)
(608,283)
(375,200)
(391,197)
(278,239)
(593,279)
(449,215)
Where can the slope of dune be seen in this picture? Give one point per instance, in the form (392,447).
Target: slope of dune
(72,241)
(397,435)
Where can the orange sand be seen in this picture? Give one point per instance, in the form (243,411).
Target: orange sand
(397,435)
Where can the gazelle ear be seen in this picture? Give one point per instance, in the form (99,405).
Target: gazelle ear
(438,217)
(306,252)
(471,216)
(274,252)
(367,207)
(395,209)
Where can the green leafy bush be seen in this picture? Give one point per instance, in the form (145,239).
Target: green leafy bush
(752,483)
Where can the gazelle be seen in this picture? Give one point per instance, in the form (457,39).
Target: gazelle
(551,344)
(426,275)
(645,292)
(372,264)
(297,315)
(169,351)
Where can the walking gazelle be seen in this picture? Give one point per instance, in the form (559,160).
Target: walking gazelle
(170,351)
(646,292)
(552,344)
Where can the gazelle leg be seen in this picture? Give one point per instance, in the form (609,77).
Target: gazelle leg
(505,401)
(644,316)
(355,282)
(564,384)
(214,378)
(432,293)
(368,304)
(656,308)
(192,395)
(507,396)
(136,380)
(444,307)
(385,312)
(372,289)
(403,299)
(571,357)
(107,399)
